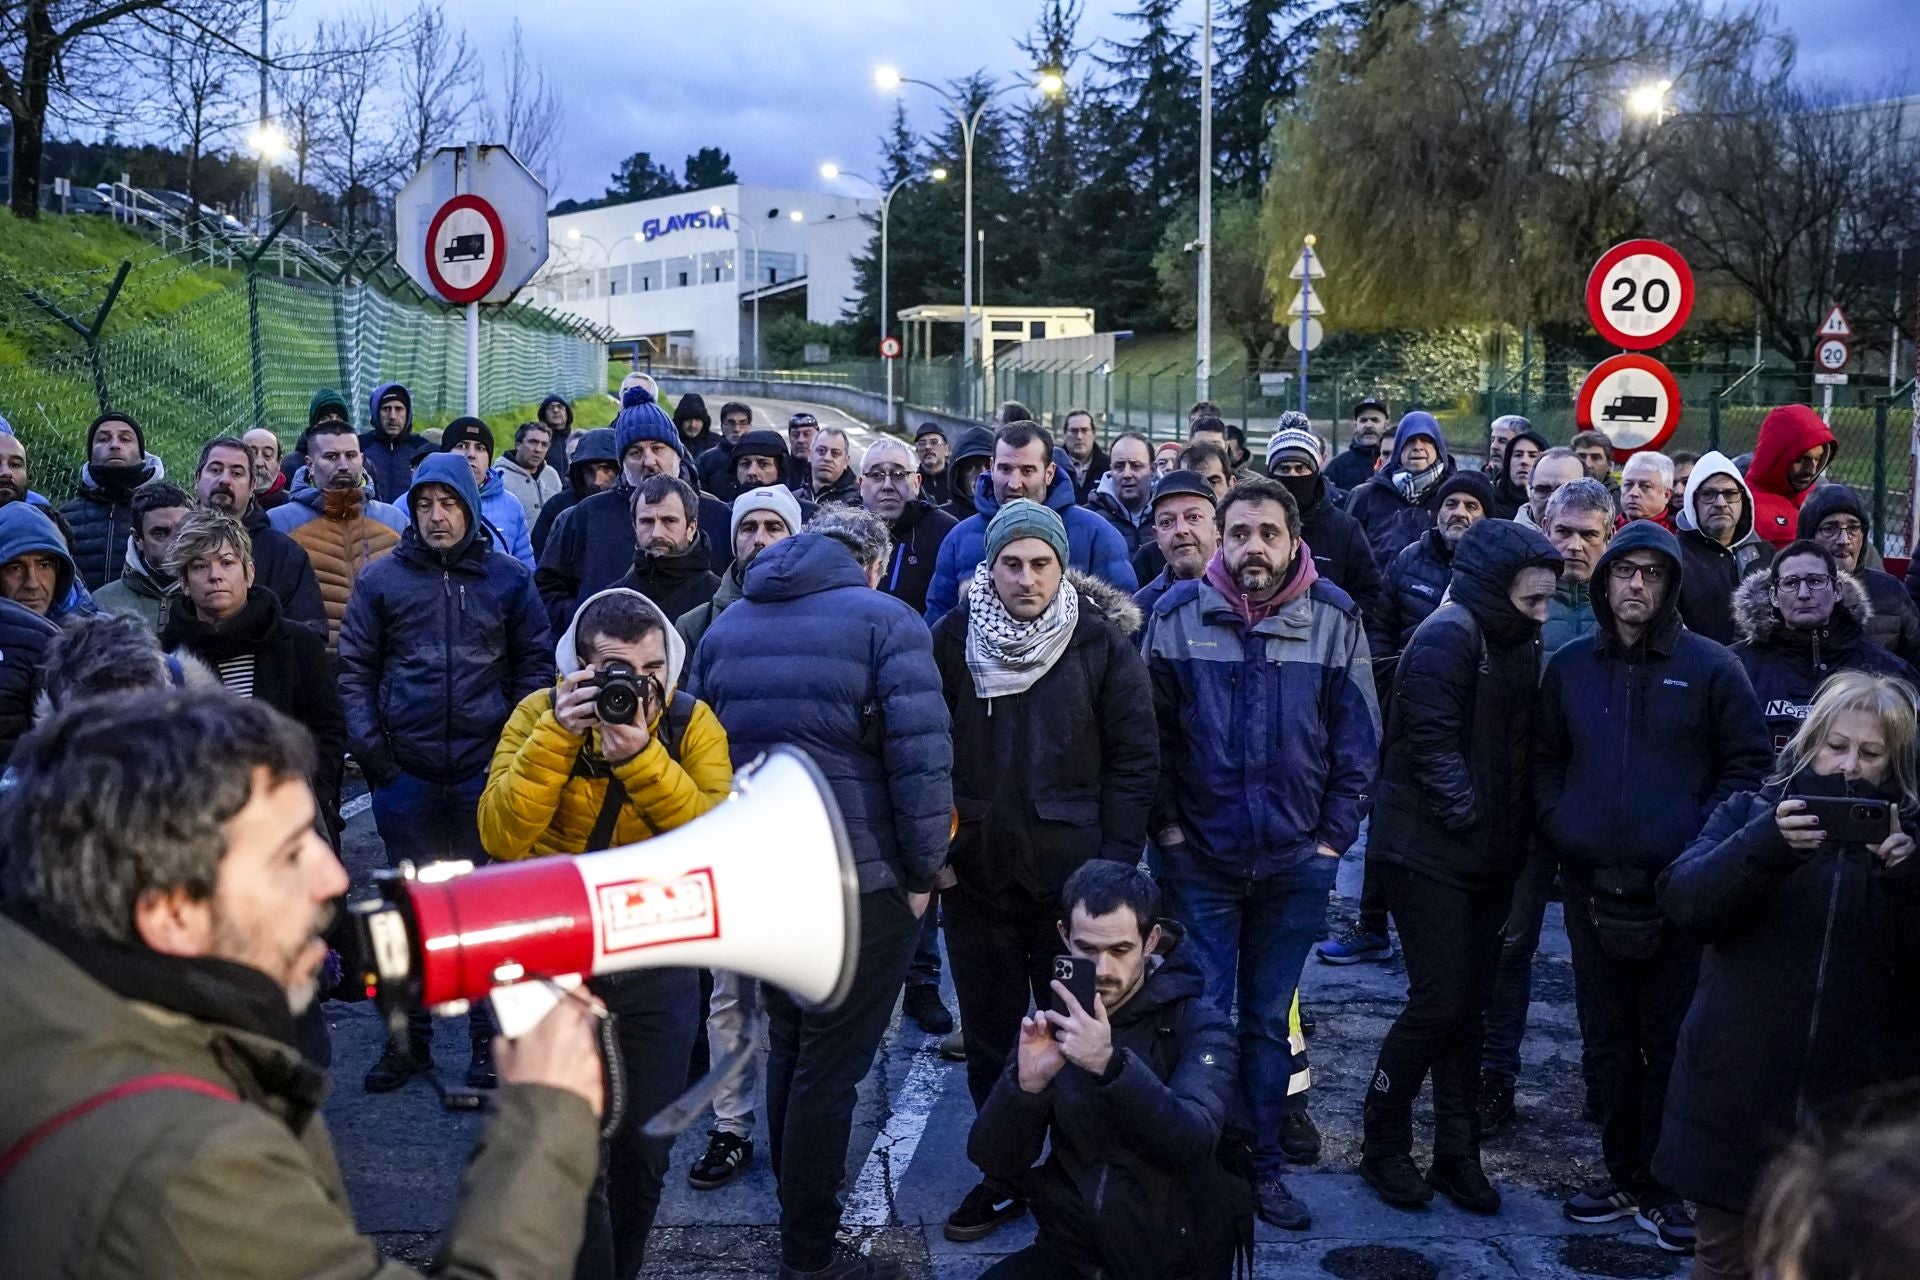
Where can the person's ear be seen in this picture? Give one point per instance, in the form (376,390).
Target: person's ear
(1060,926)
(174,923)
(1152,944)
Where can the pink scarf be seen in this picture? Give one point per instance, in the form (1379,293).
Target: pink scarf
(1303,575)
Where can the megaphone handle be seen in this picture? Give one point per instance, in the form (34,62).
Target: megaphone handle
(613,1075)
(519,1006)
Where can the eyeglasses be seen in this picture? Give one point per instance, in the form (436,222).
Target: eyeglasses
(1814,582)
(889,475)
(1652,574)
(1720,497)
(1842,529)
(1542,490)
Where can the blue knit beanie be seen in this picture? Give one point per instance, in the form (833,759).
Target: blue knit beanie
(641,419)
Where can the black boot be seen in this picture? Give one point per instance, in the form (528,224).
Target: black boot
(1397,1180)
(1462,1180)
(1494,1111)
(405,1057)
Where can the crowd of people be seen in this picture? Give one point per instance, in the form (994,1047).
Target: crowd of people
(1140,706)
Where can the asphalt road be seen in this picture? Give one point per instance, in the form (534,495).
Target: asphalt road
(907,1169)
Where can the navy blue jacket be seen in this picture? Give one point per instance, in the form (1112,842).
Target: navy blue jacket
(1636,747)
(1410,590)
(100,518)
(438,647)
(391,459)
(814,657)
(1391,522)
(1269,738)
(1093,545)
(25,640)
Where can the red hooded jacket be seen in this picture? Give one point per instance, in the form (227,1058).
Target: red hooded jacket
(1787,432)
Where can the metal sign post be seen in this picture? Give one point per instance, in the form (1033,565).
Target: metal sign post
(463,185)
(1303,331)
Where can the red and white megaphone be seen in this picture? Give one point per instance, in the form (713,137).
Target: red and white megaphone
(763,885)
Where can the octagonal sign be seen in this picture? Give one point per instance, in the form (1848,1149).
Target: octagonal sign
(472,232)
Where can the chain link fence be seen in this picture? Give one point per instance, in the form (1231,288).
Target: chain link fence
(246,348)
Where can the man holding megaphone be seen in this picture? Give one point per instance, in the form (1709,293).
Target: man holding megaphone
(612,755)
(164,894)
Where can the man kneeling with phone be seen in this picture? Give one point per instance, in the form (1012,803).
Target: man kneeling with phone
(1133,1080)
(165,890)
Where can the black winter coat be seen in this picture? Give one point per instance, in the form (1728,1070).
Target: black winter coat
(1894,624)
(436,650)
(595,548)
(281,566)
(1636,747)
(917,536)
(100,518)
(1805,990)
(291,673)
(1062,773)
(844,492)
(935,486)
(25,640)
(1340,549)
(1131,1188)
(1389,520)
(1410,590)
(1713,573)
(1452,802)
(1787,667)
(1354,466)
(675,583)
(391,460)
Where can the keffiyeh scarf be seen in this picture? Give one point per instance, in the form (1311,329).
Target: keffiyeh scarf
(1006,655)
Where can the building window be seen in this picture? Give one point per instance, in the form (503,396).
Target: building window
(716,268)
(682,272)
(1037,329)
(646,277)
(1007,326)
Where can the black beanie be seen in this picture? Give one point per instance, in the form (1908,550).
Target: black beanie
(1474,484)
(466,429)
(140,437)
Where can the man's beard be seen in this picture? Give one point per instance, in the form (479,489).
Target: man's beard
(1255,567)
(235,944)
(343,480)
(10,491)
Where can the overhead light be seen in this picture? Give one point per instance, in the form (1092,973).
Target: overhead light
(938,174)
(887,79)
(267,140)
(796,216)
(829,171)
(1050,83)
(573,233)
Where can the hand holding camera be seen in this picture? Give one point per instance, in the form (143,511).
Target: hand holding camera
(613,698)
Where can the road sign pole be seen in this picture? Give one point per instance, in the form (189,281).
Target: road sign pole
(473,359)
(1826,403)
(1306,313)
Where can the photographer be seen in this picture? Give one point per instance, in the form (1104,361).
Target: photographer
(1802,1003)
(161,931)
(1133,1096)
(613,754)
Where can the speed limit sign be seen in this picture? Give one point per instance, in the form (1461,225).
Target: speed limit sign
(1831,355)
(1639,294)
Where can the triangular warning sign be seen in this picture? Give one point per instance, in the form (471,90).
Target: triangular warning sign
(1835,325)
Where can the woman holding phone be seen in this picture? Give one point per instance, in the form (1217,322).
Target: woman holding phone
(1813,942)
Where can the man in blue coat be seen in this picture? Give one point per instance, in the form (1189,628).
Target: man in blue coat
(813,655)
(500,511)
(442,639)
(1025,466)
(391,446)
(1398,504)
(1269,739)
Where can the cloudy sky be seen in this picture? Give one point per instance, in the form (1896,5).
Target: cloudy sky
(785,84)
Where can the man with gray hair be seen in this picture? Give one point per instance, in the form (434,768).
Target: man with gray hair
(833,483)
(1579,524)
(1551,469)
(813,655)
(1646,482)
(162,929)
(890,489)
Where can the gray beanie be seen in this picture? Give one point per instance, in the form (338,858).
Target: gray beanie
(776,498)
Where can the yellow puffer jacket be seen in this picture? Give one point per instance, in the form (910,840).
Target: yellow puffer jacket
(534,805)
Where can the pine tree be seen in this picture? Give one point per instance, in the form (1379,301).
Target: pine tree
(709,167)
(1156,80)
(1263,47)
(1048,149)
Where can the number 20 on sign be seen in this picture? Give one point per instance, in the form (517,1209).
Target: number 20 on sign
(1639,294)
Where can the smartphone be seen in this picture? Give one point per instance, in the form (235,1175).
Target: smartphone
(1849,820)
(1075,973)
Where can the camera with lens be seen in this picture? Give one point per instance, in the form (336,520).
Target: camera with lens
(622,693)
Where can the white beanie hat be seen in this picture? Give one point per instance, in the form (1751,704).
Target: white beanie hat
(776,498)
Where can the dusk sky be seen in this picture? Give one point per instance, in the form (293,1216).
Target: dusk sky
(785,84)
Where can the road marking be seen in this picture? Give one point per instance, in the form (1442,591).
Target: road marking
(355,807)
(871,1202)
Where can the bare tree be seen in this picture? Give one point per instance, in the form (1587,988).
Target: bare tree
(439,82)
(301,90)
(524,112)
(64,56)
(205,81)
(358,152)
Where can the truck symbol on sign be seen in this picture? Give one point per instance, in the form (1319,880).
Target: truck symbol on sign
(470,247)
(1637,408)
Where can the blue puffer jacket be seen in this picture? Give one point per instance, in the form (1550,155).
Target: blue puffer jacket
(25,528)
(1636,747)
(438,647)
(1269,738)
(1093,545)
(100,518)
(812,656)
(25,640)
(1391,521)
(1411,589)
(506,519)
(391,459)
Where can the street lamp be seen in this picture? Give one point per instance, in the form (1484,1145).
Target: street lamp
(1049,84)
(1649,100)
(574,237)
(741,223)
(831,171)
(268,141)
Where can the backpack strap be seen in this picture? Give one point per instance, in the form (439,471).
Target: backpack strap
(86,1106)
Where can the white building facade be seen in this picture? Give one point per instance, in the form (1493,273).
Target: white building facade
(680,275)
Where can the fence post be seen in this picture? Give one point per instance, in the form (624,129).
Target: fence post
(1713,422)
(1881,406)
(89,331)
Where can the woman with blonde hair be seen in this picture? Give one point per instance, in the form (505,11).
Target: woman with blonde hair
(1805,991)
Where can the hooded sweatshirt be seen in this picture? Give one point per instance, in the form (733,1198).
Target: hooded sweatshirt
(546,786)
(561,432)
(1787,433)
(1395,507)
(391,459)
(1713,571)
(971,442)
(690,409)
(25,528)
